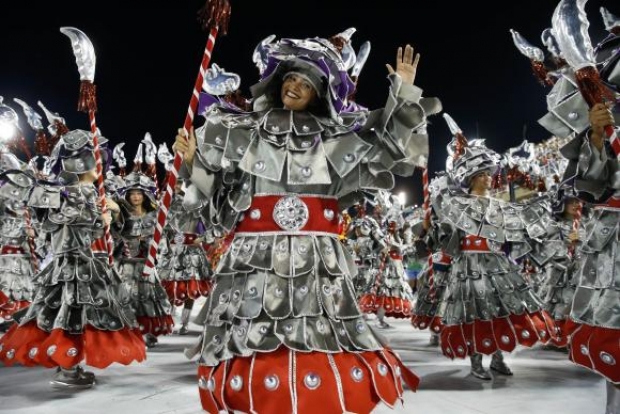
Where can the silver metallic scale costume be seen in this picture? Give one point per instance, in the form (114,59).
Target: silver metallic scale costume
(283,326)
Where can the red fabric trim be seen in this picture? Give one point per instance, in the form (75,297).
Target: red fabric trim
(593,346)
(394,307)
(474,244)
(486,337)
(155,325)
(179,291)
(8,249)
(266,223)
(98,348)
(359,396)
(8,307)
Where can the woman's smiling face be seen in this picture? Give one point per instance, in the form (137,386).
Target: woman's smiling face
(297,93)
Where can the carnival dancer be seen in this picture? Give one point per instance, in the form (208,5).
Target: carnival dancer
(76,315)
(135,223)
(558,255)
(487,308)
(183,267)
(365,242)
(17,255)
(389,294)
(593,171)
(283,332)
(433,277)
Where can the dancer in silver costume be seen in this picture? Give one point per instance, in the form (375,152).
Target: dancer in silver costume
(558,255)
(135,224)
(76,314)
(487,307)
(389,294)
(595,343)
(182,265)
(16,261)
(284,333)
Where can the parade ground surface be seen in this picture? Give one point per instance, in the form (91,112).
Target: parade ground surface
(544,382)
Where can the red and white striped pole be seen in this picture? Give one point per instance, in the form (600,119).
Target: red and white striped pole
(218,14)
(427,219)
(100,186)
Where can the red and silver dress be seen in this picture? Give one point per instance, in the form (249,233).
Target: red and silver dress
(76,314)
(283,331)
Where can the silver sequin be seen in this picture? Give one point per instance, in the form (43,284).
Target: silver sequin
(211,384)
(259,166)
(306,171)
(51,349)
(312,381)
(382,368)
(607,358)
(33,352)
(236,383)
(255,214)
(360,326)
(357,374)
(72,352)
(328,214)
(272,382)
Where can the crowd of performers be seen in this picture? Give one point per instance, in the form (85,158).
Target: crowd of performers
(284,221)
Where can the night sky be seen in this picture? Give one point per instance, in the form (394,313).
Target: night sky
(148,59)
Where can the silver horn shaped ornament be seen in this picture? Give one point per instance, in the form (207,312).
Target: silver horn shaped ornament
(33,118)
(164,156)
(150,150)
(548,38)
(454,128)
(526,48)
(570,25)
(84,52)
(609,20)
(362,56)
(119,155)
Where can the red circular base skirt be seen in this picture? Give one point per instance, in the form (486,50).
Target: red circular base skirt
(314,382)
(9,307)
(427,322)
(155,325)
(179,291)
(394,307)
(597,349)
(503,334)
(565,329)
(29,345)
